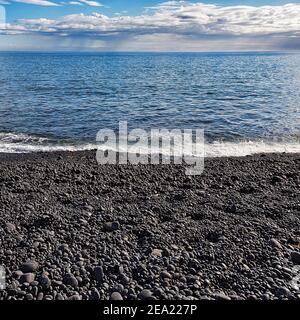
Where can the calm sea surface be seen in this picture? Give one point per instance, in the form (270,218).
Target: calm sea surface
(52,101)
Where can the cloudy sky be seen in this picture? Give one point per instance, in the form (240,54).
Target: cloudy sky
(149,25)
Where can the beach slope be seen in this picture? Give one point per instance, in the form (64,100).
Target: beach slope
(71,229)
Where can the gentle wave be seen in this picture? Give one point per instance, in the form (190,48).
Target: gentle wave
(23,143)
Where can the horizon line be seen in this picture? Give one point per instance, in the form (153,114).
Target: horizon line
(146,51)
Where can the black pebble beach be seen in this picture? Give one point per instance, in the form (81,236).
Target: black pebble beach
(73,230)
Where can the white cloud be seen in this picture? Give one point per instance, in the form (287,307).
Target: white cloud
(168,5)
(195,19)
(92,3)
(176,20)
(44,3)
(75,3)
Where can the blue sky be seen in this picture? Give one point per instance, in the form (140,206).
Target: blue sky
(150,25)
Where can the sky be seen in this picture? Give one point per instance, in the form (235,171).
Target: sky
(149,25)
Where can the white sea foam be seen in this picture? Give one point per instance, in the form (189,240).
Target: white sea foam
(23,143)
(244,148)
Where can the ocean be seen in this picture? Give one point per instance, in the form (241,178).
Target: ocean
(246,102)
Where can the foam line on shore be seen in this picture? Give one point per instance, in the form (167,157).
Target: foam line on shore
(23,143)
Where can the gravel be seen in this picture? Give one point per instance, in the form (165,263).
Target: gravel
(73,230)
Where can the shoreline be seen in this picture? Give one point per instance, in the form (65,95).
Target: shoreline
(68,153)
(149,231)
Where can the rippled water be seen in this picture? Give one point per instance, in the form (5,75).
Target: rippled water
(54,101)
